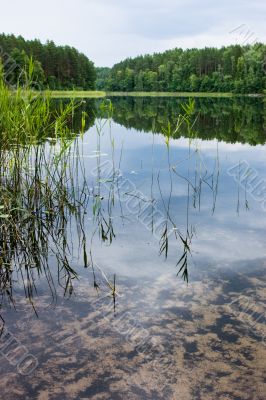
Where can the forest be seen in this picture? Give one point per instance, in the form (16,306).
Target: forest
(235,68)
(55,67)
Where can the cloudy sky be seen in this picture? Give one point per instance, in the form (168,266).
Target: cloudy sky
(108,31)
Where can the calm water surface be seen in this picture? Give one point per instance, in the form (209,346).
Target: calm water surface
(169,250)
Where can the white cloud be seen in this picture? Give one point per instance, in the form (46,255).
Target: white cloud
(110,30)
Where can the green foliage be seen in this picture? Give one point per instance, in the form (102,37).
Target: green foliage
(56,67)
(237,69)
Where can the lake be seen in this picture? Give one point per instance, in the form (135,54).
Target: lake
(141,272)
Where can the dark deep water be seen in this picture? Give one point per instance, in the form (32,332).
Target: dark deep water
(169,250)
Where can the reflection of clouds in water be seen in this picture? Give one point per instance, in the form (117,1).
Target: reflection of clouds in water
(227,244)
(212,145)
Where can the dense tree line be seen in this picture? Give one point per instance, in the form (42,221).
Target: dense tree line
(56,67)
(238,69)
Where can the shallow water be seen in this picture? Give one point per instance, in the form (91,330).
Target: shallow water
(154,335)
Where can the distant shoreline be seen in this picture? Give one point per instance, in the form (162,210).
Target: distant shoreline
(102,94)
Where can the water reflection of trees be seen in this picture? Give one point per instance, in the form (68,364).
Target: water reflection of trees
(239,119)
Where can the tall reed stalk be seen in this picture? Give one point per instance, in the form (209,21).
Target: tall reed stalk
(39,193)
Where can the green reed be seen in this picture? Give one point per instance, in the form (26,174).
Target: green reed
(39,191)
(26,116)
